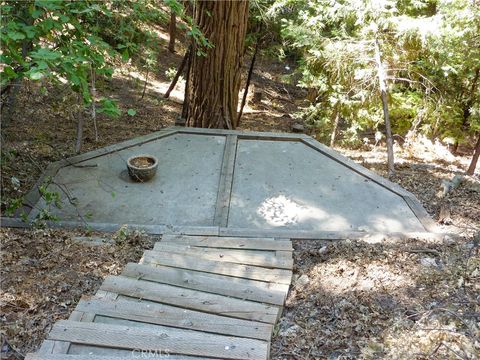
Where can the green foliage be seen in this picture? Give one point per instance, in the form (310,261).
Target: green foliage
(53,39)
(66,41)
(430,49)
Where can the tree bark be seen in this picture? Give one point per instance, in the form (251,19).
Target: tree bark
(172,30)
(476,154)
(386,115)
(214,80)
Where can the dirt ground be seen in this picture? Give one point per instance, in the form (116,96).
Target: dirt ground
(351,299)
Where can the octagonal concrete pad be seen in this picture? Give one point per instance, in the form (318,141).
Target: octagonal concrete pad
(287,184)
(231,180)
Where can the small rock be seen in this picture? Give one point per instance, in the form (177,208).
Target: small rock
(298,128)
(323,250)
(290,331)
(428,262)
(448,240)
(302,280)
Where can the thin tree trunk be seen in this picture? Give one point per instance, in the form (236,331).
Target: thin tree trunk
(476,154)
(145,84)
(215,79)
(172,29)
(247,84)
(455,148)
(333,137)
(386,115)
(188,64)
(94,106)
(179,72)
(80,123)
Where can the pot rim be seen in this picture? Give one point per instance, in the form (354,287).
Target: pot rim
(155,161)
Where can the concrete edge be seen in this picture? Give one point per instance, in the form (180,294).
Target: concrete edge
(224,193)
(33,196)
(243,134)
(235,232)
(410,199)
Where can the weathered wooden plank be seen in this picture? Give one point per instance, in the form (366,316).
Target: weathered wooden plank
(54,347)
(171,340)
(100,351)
(218,267)
(160,314)
(254,243)
(247,257)
(226,180)
(421,213)
(124,354)
(204,282)
(234,281)
(191,299)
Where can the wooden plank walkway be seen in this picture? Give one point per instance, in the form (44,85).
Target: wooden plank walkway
(191,297)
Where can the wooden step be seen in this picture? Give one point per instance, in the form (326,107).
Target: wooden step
(160,314)
(230,242)
(169,340)
(196,263)
(127,355)
(266,259)
(204,282)
(191,299)
(232,280)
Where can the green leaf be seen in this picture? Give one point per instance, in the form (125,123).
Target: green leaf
(15,35)
(9,72)
(45,54)
(36,74)
(109,107)
(131,112)
(36,13)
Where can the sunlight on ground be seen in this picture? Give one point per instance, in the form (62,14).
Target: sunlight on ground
(346,277)
(282,211)
(158,87)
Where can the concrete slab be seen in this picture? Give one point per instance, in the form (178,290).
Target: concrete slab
(184,191)
(219,181)
(287,185)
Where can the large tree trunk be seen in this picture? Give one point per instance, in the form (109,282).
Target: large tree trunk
(214,79)
(476,154)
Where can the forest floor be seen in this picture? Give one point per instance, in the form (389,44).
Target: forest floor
(351,299)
